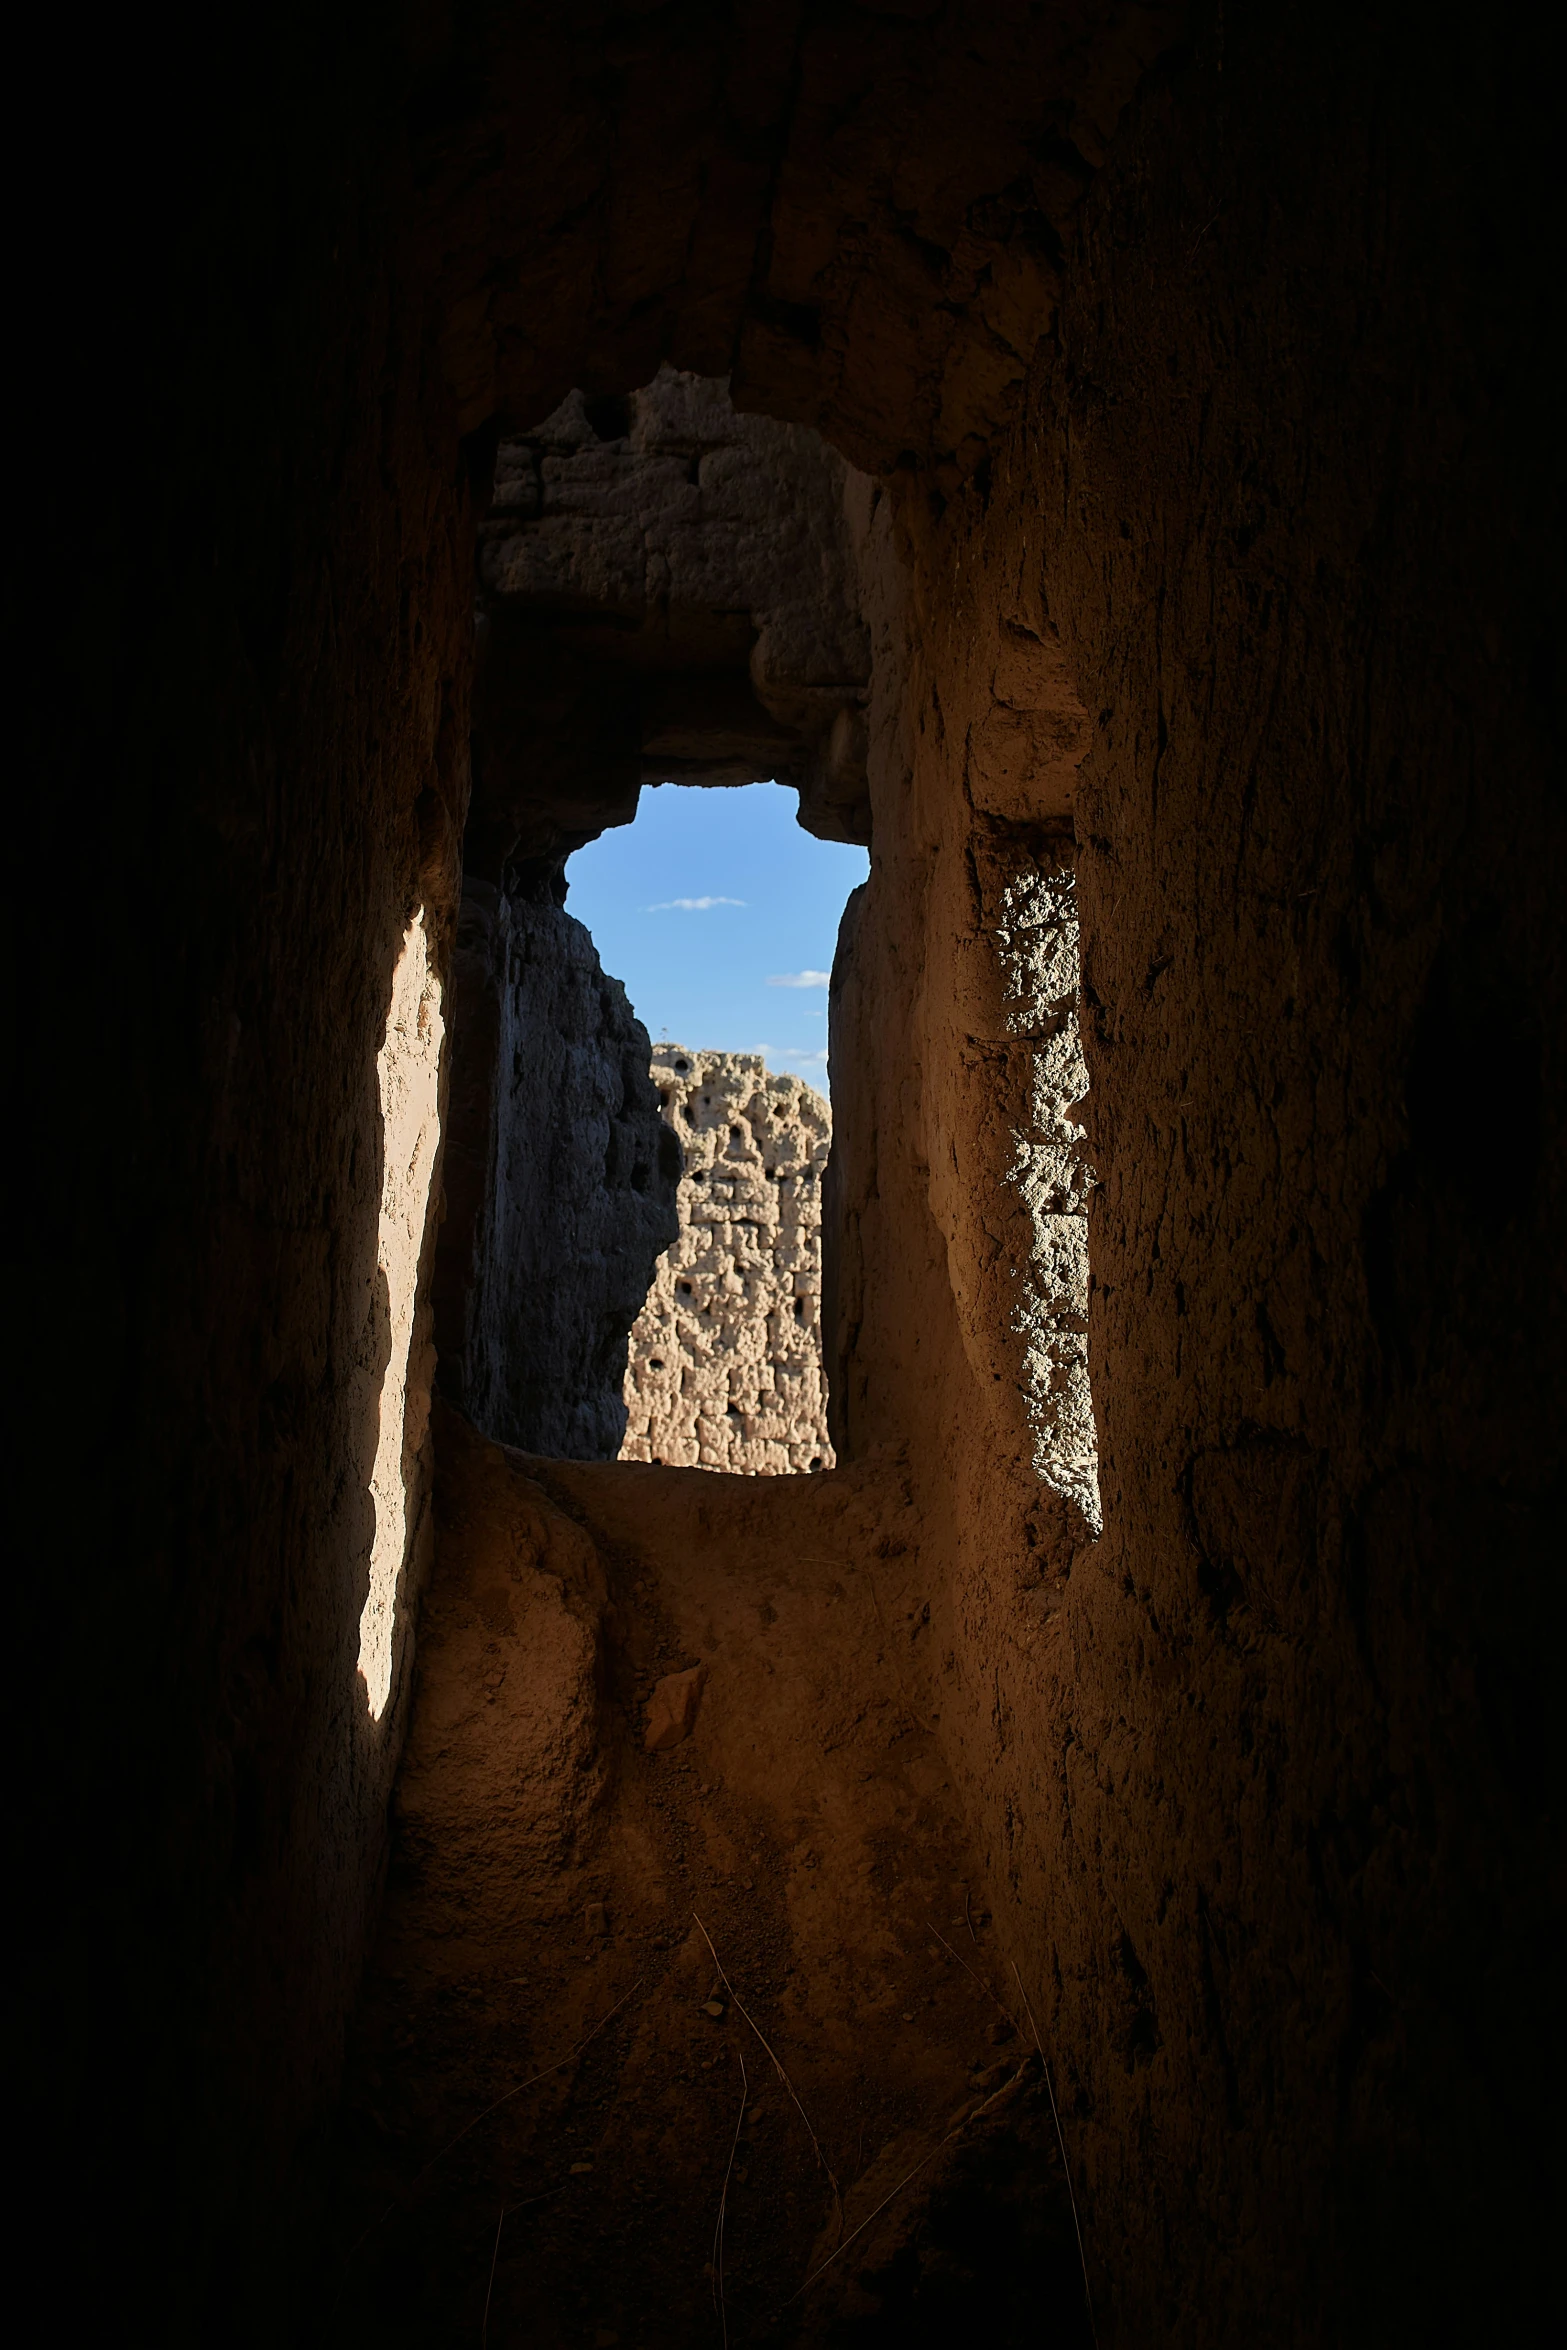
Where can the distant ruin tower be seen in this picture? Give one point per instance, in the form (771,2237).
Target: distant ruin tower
(725,1367)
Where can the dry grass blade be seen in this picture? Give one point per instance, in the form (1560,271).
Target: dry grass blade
(777,2065)
(419,2177)
(484,2331)
(923,2164)
(723,2209)
(1066,2167)
(865,2223)
(531,2082)
(974,1978)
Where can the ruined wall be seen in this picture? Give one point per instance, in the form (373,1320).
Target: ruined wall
(725,1368)
(862,212)
(561,1179)
(667,594)
(1211,357)
(1259,1768)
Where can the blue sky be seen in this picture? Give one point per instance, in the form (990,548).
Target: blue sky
(721,916)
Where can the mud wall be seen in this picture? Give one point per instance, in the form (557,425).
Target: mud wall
(724,1366)
(666,594)
(1206,364)
(1262,1768)
(561,1177)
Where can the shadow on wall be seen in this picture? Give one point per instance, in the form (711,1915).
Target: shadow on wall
(560,1181)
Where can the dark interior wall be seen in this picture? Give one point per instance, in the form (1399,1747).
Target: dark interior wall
(1292,464)
(241,610)
(1264,591)
(860,212)
(666,595)
(1261,1772)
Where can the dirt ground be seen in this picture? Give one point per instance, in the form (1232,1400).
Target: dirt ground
(653,2041)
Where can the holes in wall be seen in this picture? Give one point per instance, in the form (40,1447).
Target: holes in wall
(608,415)
(753,656)
(408,1068)
(1035,930)
(746,1238)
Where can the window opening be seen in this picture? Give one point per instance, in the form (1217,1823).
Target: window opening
(741,1281)
(669,596)
(1050,1171)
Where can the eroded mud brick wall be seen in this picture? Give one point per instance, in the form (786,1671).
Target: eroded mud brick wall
(560,1181)
(725,1367)
(1266,642)
(1206,363)
(667,594)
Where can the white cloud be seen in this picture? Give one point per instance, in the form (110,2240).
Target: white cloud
(800,979)
(690,905)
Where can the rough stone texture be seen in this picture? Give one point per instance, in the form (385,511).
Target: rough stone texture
(408,1079)
(1239,328)
(561,1181)
(863,211)
(725,1366)
(1033,917)
(672,1709)
(667,594)
(549,1875)
(1262,1768)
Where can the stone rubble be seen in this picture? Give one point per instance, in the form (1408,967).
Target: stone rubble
(672,1709)
(725,1363)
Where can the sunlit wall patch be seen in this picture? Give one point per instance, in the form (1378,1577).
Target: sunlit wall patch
(1037,940)
(408,1068)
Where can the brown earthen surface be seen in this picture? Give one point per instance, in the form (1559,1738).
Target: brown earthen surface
(667,593)
(580,1929)
(724,1365)
(1234,1759)
(1208,363)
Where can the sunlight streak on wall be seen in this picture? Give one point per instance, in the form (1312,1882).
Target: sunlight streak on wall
(1051,1172)
(408,1069)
